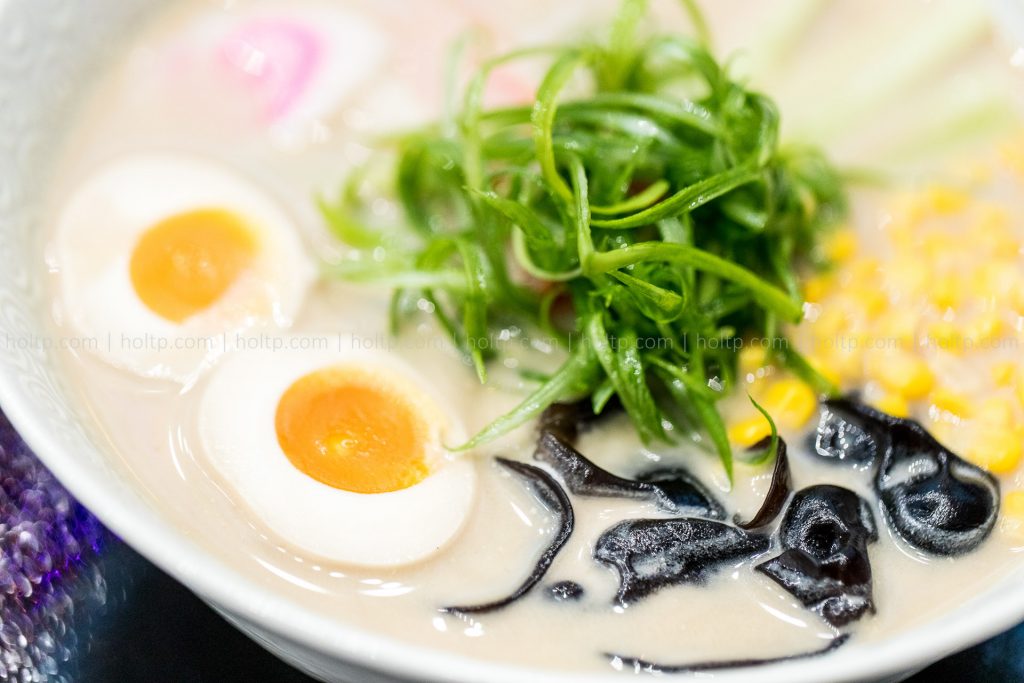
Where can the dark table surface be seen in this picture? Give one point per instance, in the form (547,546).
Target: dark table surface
(76,604)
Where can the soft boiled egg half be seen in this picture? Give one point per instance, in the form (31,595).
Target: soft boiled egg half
(340,454)
(162,258)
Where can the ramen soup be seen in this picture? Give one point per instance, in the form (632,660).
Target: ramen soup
(302,254)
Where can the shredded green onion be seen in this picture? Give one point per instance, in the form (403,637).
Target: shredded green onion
(644,191)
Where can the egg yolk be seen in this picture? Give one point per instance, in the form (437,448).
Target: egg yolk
(346,428)
(185,263)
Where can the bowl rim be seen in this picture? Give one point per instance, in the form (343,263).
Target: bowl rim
(127,516)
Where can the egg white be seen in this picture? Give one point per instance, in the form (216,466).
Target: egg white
(238,438)
(97,233)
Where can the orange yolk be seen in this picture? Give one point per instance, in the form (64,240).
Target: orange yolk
(349,430)
(185,263)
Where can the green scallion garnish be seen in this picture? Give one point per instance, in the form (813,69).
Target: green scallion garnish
(655,201)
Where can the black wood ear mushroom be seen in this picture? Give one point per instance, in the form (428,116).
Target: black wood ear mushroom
(824,561)
(650,554)
(674,489)
(933,499)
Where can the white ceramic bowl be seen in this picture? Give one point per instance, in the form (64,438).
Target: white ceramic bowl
(48,49)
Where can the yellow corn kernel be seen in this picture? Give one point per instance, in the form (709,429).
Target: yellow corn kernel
(947,433)
(848,363)
(749,431)
(1003,373)
(790,402)
(817,287)
(946,336)
(1011,516)
(984,328)
(912,208)
(871,299)
(992,217)
(1003,245)
(752,359)
(1013,503)
(911,278)
(846,312)
(950,401)
(936,245)
(946,200)
(945,292)
(996,449)
(901,372)
(1020,385)
(902,234)
(993,231)
(998,282)
(892,404)
(826,368)
(996,411)
(832,323)
(842,246)
(865,271)
(898,327)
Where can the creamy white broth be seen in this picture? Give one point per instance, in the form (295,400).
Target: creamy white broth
(151,425)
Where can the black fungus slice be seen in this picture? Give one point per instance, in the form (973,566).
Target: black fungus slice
(620,663)
(824,561)
(850,433)
(564,420)
(568,420)
(554,499)
(935,500)
(650,554)
(672,489)
(565,591)
(778,490)
(679,492)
